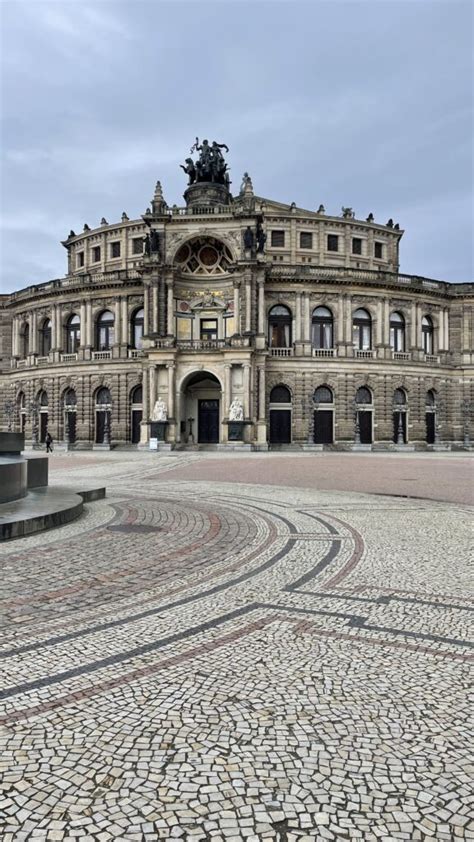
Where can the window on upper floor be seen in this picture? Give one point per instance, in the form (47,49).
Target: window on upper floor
(362,330)
(333,242)
(208,329)
(279,327)
(322,328)
(356,245)
(25,340)
(115,249)
(137,328)
(378,251)
(397,332)
(96,254)
(306,240)
(80,259)
(105,333)
(73,334)
(45,338)
(137,245)
(427,334)
(278,238)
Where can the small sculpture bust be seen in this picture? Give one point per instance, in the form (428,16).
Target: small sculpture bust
(236,411)
(160,412)
(124,217)
(348,213)
(86,227)
(370,218)
(72,233)
(397,226)
(321,209)
(390,223)
(103,221)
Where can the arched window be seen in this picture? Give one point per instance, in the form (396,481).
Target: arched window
(21,403)
(431,398)
(323,394)
(363,395)
(69,398)
(279,327)
(103,396)
(45,338)
(73,334)
(362,330)
(43,399)
(105,331)
(399,397)
(397,332)
(427,334)
(280,394)
(25,344)
(136,395)
(322,325)
(137,329)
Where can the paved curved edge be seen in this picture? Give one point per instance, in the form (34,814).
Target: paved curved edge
(217,661)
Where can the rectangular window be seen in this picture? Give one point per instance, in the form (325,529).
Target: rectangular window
(115,249)
(333,242)
(96,254)
(278,238)
(356,245)
(137,245)
(208,328)
(378,250)
(80,258)
(306,240)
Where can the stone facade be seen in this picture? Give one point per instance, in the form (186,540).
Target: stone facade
(226,305)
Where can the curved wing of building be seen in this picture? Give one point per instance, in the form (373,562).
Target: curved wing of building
(240,322)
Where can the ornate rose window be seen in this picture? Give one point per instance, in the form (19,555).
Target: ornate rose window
(204,256)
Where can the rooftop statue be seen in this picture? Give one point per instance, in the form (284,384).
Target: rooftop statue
(210,167)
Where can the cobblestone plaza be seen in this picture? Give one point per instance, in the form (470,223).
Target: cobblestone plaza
(242,649)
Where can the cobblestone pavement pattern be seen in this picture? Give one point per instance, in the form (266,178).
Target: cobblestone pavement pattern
(208,660)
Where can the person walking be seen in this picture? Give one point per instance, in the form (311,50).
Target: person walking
(48,442)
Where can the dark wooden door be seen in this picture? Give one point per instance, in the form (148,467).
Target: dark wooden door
(136,421)
(43,425)
(396,421)
(71,425)
(323,427)
(365,427)
(99,427)
(430,427)
(280,426)
(208,421)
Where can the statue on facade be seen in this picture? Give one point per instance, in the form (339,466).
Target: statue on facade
(210,167)
(236,410)
(370,218)
(146,244)
(160,412)
(103,221)
(248,238)
(348,213)
(246,187)
(321,209)
(261,238)
(390,223)
(154,242)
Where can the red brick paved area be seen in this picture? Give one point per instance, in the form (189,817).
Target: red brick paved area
(435,477)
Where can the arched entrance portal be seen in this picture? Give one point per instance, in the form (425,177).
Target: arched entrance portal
(201,409)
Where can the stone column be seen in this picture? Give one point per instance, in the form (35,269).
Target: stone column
(88,327)
(379,325)
(118,325)
(261,307)
(441,345)
(227,389)
(82,317)
(171,386)
(414,326)
(154,308)
(170,310)
(446,329)
(54,328)
(152,391)
(246,390)
(348,320)
(298,318)
(145,411)
(146,310)
(340,319)
(124,319)
(248,304)
(261,393)
(236,285)
(34,333)
(306,318)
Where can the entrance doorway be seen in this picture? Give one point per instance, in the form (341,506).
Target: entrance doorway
(200,409)
(280,415)
(208,421)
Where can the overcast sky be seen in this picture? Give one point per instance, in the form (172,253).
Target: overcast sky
(366,104)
